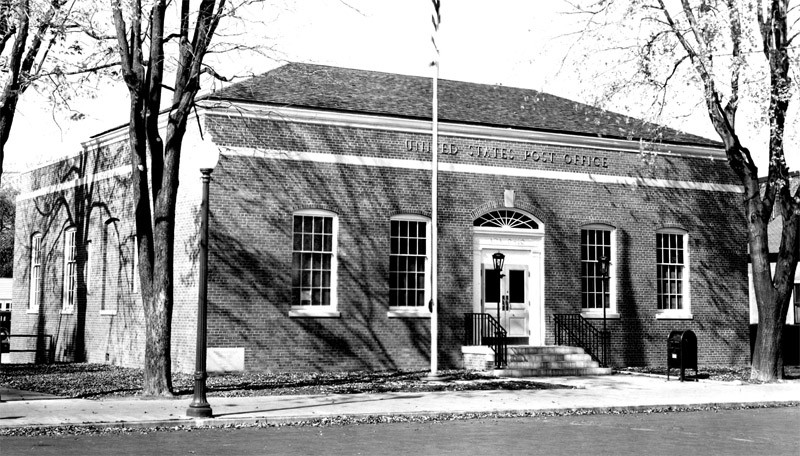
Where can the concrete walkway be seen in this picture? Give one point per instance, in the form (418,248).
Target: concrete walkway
(613,392)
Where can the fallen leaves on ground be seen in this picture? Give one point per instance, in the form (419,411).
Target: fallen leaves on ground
(712,372)
(95,381)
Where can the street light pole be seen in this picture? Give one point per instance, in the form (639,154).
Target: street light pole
(604,261)
(497,260)
(200,408)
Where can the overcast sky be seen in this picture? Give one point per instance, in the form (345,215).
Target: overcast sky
(514,42)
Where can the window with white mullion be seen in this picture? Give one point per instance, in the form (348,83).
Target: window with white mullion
(70,271)
(87,267)
(670,267)
(36,273)
(595,290)
(407,263)
(312,260)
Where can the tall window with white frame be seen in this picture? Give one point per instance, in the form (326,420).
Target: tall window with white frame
(672,271)
(596,291)
(70,271)
(135,264)
(36,273)
(314,259)
(408,263)
(109,278)
(87,267)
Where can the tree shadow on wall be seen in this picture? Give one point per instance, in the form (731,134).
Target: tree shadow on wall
(717,267)
(251,260)
(77,207)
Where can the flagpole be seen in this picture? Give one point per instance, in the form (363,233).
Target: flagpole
(434,373)
(435,228)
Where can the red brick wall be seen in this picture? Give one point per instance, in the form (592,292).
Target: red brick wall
(99,209)
(107,324)
(252,261)
(252,201)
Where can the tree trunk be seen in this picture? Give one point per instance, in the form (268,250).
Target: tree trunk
(158,361)
(767,363)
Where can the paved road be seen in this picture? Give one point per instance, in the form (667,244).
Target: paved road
(746,432)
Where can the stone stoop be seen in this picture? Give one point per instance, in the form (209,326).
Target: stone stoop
(549,361)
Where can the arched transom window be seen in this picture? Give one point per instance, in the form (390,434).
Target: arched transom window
(504,218)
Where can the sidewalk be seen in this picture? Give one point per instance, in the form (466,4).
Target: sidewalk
(613,392)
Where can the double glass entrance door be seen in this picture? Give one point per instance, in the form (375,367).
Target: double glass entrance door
(509,293)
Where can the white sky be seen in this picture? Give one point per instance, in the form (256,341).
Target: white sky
(512,42)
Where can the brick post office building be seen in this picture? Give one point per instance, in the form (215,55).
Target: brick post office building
(320,229)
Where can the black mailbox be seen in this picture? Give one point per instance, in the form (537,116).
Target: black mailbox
(682,352)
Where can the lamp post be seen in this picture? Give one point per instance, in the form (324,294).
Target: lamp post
(603,261)
(206,156)
(498,259)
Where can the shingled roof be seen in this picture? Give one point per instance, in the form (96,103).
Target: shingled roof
(371,92)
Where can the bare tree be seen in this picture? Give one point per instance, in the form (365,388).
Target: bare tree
(33,47)
(142,39)
(712,45)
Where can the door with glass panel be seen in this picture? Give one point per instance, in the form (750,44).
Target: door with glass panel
(510,293)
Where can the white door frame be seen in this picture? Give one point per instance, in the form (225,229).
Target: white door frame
(521,246)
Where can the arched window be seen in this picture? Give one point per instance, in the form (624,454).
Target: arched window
(506,218)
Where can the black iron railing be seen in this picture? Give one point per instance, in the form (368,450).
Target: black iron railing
(484,329)
(576,331)
(42,346)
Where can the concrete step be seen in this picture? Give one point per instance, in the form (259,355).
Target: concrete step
(542,358)
(573,372)
(544,350)
(530,364)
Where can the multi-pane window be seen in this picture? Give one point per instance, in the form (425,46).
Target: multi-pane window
(110,268)
(135,264)
(36,272)
(87,267)
(407,262)
(70,270)
(595,290)
(313,259)
(670,274)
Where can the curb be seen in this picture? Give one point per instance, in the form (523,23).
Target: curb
(302,420)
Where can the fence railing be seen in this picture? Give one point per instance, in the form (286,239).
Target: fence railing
(42,346)
(484,329)
(576,331)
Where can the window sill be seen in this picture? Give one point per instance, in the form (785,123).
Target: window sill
(674,316)
(67,311)
(32,311)
(599,315)
(414,312)
(108,312)
(314,313)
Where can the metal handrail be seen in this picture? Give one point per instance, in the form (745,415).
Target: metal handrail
(45,346)
(576,331)
(484,329)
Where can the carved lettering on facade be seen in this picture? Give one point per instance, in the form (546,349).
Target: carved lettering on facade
(502,153)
